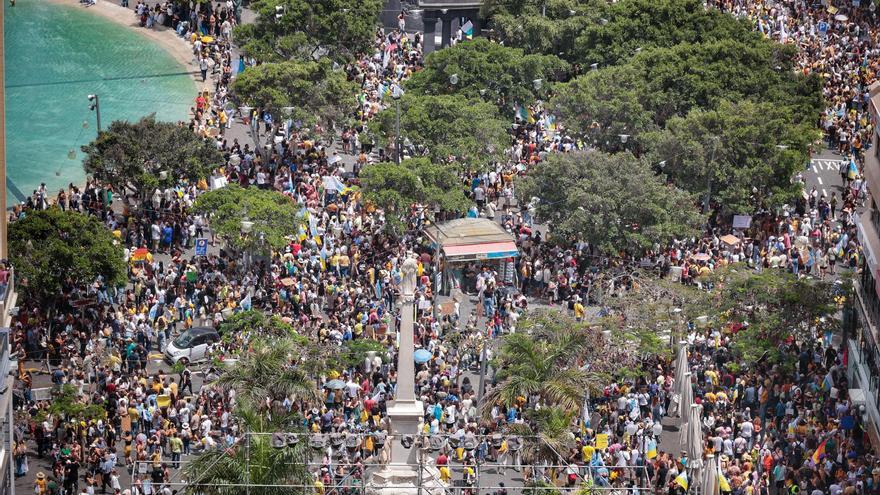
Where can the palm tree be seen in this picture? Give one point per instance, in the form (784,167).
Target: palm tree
(271,370)
(546,363)
(253,461)
(547,437)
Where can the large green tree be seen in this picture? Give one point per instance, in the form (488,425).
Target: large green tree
(147,154)
(604,105)
(615,202)
(746,152)
(541,26)
(490,71)
(395,188)
(54,251)
(702,75)
(314,91)
(631,25)
(309,29)
(273,215)
(468,131)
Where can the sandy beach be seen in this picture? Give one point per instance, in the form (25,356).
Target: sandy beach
(177,47)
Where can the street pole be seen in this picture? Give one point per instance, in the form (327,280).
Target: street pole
(98,112)
(482,372)
(397,134)
(96,106)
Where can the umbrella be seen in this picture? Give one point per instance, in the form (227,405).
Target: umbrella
(681,368)
(207,39)
(701,257)
(335,385)
(711,480)
(694,447)
(841,17)
(686,398)
(422,356)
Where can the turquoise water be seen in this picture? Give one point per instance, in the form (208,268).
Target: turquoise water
(56,55)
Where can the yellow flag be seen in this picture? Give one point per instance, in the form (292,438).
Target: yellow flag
(723,483)
(682,480)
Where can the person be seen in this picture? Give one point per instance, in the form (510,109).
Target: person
(203,66)
(40,484)
(21,459)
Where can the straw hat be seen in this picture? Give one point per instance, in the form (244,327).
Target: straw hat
(41,475)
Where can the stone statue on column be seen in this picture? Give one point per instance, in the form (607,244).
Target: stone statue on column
(408,271)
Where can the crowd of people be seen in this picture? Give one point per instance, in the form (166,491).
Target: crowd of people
(773,429)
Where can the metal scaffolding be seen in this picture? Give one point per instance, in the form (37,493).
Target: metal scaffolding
(333,451)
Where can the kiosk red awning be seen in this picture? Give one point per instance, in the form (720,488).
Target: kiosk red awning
(486,250)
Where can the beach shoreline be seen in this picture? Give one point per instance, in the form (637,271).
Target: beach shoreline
(165,37)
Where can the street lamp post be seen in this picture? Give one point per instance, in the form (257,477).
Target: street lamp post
(484,358)
(246,227)
(96,107)
(396,94)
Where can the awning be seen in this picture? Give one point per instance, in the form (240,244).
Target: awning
(486,250)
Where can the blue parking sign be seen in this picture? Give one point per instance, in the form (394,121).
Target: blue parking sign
(823,27)
(201,247)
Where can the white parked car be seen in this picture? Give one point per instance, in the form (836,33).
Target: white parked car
(191,346)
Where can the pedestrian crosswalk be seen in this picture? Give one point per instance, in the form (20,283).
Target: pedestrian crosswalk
(820,165)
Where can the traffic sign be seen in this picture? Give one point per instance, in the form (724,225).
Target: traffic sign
(823,27)
(201,247)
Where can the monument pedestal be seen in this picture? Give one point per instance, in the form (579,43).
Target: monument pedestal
(401,475)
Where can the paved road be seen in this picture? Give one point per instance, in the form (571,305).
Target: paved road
(823,173)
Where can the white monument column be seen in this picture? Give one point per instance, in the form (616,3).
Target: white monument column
(401,474)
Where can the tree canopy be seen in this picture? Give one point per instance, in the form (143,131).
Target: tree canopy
(774,304)
(452,127)
(642,24)
(615,202)
(490,71)
(308,29)
(543,362)
(147,154)
(314,90)
(749,151)
(541,26)
(604,104)
(256,321)
(684,77)
(274,216)
(396,187)
(55,251)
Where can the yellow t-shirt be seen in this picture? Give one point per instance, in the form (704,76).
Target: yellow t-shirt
(587,452)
